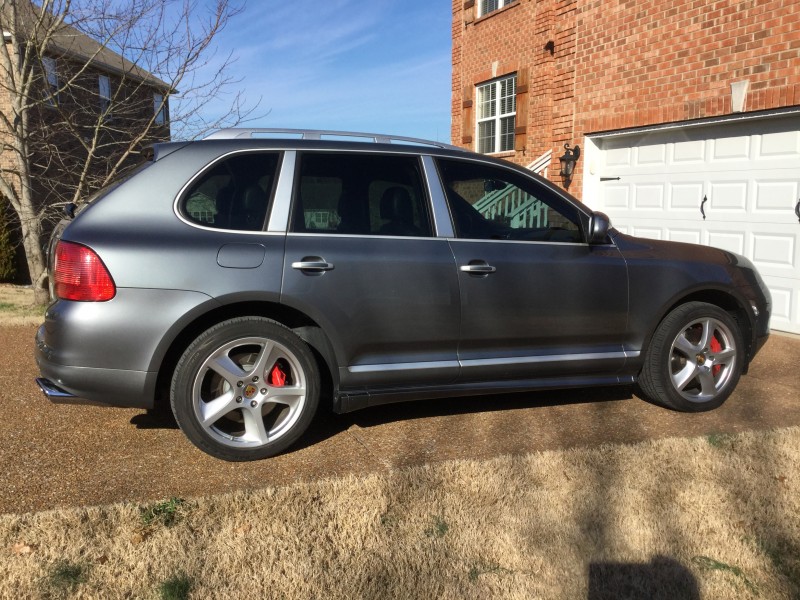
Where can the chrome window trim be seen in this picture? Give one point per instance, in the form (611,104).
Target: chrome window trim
(208,167)
(417,366)
(372,236)
(487,362)
(525,360)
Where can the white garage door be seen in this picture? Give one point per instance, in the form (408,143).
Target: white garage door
(743,176)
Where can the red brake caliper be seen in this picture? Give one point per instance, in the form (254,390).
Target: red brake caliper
(277,377)
(715,347)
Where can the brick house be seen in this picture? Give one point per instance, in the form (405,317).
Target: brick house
(111,99)
(687,115)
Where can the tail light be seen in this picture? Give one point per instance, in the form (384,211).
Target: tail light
(79,274)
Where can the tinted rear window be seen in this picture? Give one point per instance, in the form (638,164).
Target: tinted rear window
(233,194)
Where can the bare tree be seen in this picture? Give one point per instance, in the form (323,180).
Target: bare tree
(85,87)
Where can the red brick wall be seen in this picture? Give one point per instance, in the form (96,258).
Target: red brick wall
(619,64)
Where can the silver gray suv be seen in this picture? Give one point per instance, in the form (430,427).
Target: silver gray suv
(249,278)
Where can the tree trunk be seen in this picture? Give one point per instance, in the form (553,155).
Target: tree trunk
(32,242)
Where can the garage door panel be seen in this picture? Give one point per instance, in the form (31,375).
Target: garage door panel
(653,233)
(749,173)
(776,198)
(686,196)
(689,152)
(783,144)
(776,250)
(617,197)
(618,157)
(732,241)
(785,304)
(687,236)
(727,200)
(650,155)
(649,197)
(726,149)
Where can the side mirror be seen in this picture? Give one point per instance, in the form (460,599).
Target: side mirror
(598,228)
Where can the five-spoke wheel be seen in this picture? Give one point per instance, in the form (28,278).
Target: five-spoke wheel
(245,389)
(694,359)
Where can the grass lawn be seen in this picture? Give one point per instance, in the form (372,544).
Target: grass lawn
(17,307)
(715,517)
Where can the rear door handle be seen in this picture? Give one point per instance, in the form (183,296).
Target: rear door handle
(316,265)
(478,268)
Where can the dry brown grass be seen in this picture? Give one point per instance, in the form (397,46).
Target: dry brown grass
(17,306)
(712,517)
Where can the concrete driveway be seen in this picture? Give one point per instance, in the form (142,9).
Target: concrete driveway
(76,455)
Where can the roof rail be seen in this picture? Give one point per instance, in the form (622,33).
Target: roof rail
(319,134)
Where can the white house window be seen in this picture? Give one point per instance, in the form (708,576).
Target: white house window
(160,109)
(487,6)
(51,75)
(104,89)
(497,111)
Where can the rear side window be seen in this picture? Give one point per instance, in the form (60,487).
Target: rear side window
(360,194)
(234,194)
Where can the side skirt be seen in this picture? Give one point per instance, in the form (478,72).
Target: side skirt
(349,401)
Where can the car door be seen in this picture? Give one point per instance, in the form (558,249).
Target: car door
(361,260)
(536,299)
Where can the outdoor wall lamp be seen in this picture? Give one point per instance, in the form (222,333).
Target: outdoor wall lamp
(568,160)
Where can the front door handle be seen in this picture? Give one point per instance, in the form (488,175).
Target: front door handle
(797,209)
(478,268)
(702,204)
(313,265)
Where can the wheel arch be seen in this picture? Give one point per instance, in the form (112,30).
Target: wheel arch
(303,326)
(721,298)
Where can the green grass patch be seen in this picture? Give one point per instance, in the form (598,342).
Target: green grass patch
(166,513)
(439,528)
(710,564)
(719,440)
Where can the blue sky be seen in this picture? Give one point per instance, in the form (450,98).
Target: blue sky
(381,66)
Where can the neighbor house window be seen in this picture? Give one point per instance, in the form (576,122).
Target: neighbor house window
(51,75)
(497,110)
(160,109)
(487,6)
(104,89)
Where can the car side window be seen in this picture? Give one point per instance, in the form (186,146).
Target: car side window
(488,202)
(234,194)
(360,194)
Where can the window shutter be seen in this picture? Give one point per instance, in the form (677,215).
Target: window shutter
(466,115)
(469,11)
(521,125)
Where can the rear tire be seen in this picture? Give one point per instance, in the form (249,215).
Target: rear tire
(245,389)
(694,360)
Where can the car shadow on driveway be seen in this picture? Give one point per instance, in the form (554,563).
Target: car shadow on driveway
(430,413)
(328,424)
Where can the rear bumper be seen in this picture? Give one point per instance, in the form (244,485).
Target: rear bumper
(109,353)
(86,385)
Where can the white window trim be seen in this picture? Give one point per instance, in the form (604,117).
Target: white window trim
(500,4)
(497,117)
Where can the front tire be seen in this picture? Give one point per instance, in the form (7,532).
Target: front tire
(245,389)
(694,360)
